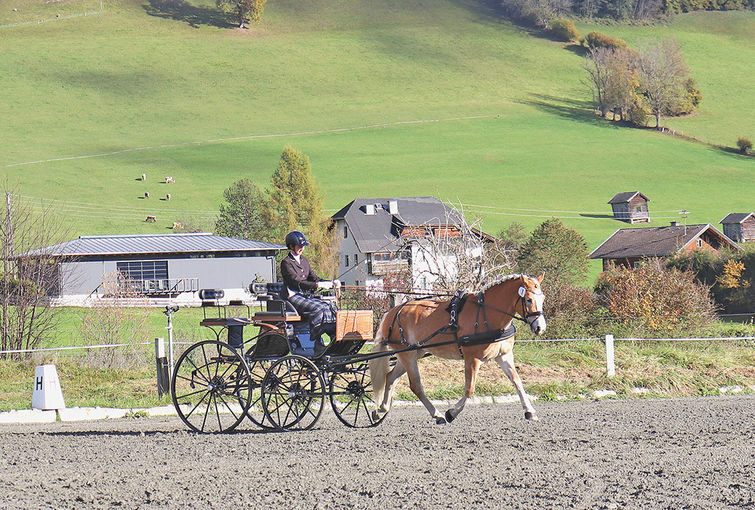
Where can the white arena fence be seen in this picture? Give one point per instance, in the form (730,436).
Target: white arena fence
(609,342)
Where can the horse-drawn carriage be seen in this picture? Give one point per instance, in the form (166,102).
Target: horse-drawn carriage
(279,379)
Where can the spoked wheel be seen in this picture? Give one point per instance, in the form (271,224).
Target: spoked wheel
(293,393)
(256,411)
(211,387)
(351,396)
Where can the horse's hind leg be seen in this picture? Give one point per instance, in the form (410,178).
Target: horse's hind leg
(507,364)
(415,384)
(471,367)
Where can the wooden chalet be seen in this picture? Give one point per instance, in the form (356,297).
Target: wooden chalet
(739,227)
(630,206)
(629,246)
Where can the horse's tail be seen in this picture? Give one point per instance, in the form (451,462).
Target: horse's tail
(379,366)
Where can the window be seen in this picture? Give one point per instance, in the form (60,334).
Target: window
(139,270)
(345,232)
(356,283)
(699,243)
(356,259)
(347,260)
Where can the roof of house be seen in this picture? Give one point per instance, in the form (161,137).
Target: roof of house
(381,231)
(138,244)
(736,217)
(626,196)
(653,241)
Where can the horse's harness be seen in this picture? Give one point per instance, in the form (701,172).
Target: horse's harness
(454,309)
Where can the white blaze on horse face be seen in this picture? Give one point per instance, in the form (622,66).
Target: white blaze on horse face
(537,323)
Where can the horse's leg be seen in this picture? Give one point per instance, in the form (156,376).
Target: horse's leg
(507,364)
(390,381)
(415,384)
(471,367)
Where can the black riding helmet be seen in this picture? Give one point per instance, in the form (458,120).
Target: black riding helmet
(296,238)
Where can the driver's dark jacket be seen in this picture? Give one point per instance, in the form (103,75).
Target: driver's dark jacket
(298,276)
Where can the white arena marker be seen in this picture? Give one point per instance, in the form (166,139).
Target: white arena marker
(47,393)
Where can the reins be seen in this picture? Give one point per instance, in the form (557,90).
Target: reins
(452,327)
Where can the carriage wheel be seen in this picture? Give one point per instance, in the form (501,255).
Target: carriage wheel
(256,411)
(211,387)
(351,396)
(293,393)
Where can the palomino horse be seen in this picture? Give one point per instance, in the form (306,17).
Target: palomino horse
(422,322)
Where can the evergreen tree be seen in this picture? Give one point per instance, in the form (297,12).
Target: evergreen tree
(294,203)
(558,251)
(242,214)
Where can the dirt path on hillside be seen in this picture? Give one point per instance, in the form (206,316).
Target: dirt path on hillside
(675,453)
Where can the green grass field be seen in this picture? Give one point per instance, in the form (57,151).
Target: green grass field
(394,98)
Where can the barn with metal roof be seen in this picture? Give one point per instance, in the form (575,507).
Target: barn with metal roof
(161,265)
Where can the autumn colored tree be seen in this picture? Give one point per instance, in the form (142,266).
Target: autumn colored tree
(295,203)
(245,11)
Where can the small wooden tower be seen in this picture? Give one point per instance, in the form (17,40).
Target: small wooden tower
(739,227)
(630,206)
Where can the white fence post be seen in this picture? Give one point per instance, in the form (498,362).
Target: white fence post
(610,366)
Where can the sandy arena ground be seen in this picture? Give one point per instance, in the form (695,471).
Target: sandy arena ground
(671,453)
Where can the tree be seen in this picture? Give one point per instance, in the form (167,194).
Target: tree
(656,298)
(453,255)
(242,214)
(245,11)
(29,274)
(294,203)
(558,251)
(744,144)
(663,75)
(597,64)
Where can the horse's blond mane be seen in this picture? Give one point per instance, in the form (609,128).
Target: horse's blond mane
(505,279)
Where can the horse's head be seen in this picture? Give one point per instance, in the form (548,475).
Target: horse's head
(532,298)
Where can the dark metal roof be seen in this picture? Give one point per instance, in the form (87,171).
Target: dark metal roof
(153,243)
(736,217)
(380,231)
(653,241)
(626,196)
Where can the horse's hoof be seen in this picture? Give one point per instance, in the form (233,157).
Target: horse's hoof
(531,416)
(450,417)
(439,420)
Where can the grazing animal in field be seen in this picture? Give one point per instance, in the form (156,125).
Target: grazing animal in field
(177,225)
(167,196)
(151,219)
(146,194)
(482,332)
(169,180)
(144,177)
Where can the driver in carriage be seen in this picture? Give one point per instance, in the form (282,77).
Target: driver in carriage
(300,283)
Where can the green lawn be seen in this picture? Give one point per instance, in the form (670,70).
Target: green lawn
(91,103)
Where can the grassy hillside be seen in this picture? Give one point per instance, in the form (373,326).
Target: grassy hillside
(390,98)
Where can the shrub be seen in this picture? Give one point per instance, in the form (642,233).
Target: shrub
(744,145)
(564,30)
(658,299)
(601,40)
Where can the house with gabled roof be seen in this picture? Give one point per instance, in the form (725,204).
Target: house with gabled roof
(382,236)
(630,206)
(739,227)
(629,246)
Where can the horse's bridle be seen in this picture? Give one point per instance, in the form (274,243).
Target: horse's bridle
(523,291)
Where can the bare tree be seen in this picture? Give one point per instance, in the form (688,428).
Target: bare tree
(30,274)
(455,255)
(118,317)
(663,75)
(597,64)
